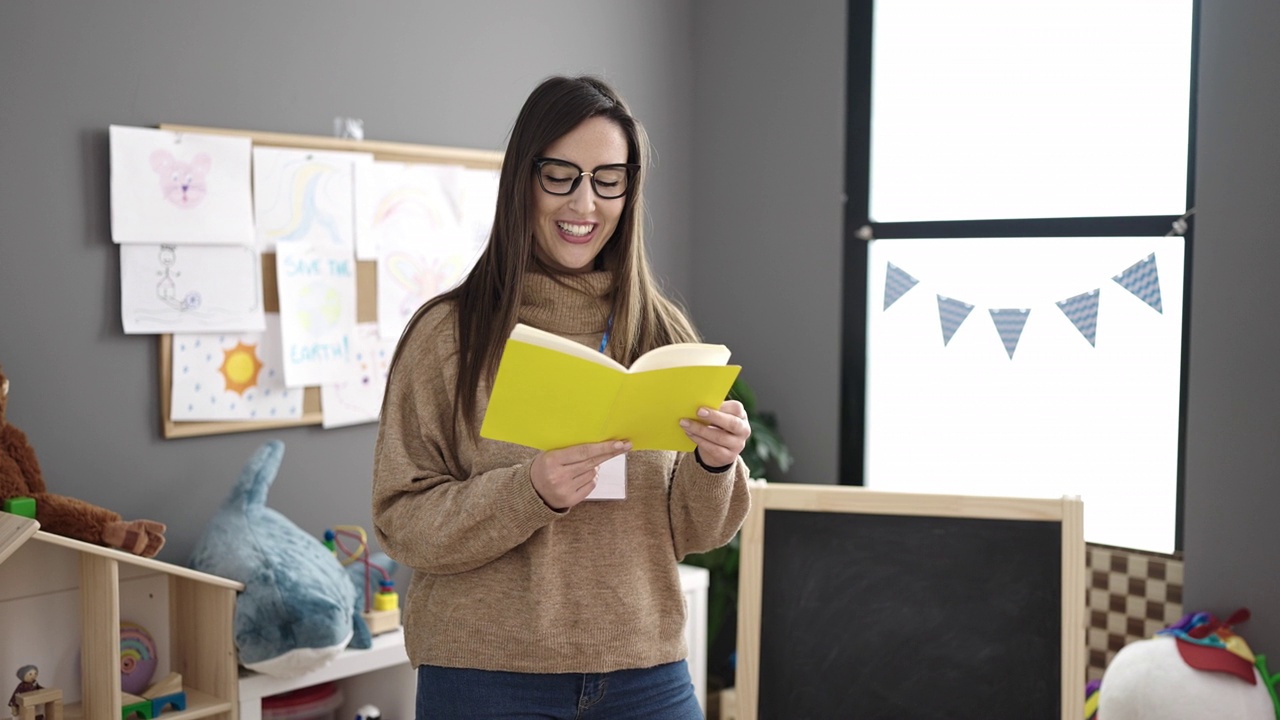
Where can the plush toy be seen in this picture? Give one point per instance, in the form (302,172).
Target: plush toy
(20,477)
(298,609)
(1196,669)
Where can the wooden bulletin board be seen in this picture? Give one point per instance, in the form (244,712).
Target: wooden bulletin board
(366,275)
(855,603)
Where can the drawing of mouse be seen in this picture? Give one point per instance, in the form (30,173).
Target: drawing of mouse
(183,184)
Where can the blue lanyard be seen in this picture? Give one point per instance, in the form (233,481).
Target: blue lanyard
(604,341)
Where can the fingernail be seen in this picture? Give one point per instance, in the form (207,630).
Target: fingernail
(703,412)
(684,423)
(619,445)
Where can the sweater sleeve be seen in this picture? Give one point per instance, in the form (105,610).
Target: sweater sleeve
(428,511)
(707,508)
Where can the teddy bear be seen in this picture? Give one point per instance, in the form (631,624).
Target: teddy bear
(20,476)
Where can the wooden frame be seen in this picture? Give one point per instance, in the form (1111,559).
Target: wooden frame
(1069,512)
(366,275)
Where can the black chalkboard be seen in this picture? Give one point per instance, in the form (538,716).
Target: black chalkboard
(905,617)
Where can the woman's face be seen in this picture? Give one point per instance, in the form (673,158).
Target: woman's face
(570,230)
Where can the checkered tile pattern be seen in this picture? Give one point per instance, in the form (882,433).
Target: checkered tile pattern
(1131,595)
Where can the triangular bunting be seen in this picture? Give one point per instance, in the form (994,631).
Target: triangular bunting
(1009,323)
(1142,280)
(952,313)
(1082,311)
(896,284)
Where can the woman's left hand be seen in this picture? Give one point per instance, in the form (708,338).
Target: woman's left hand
(719,434)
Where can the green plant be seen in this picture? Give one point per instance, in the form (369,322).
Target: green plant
(765,449)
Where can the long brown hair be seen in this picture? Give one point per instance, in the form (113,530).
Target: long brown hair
(488,300)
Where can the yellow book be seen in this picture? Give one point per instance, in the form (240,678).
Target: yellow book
(551,392)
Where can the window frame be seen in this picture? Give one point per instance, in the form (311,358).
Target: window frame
(859,229)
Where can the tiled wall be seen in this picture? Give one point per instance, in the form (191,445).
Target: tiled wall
(1131,595)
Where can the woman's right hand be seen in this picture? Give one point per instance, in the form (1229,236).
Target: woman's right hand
(563,477)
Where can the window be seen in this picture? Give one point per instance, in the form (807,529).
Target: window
(1020,307)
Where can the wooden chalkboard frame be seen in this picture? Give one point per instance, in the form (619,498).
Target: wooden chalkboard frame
(1068,512)
(366,271)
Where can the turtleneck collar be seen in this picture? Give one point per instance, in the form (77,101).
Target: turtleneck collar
(567,304)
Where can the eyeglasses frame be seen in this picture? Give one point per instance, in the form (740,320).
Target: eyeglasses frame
(632,169)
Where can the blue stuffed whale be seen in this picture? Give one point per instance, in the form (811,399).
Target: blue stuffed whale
(299,606)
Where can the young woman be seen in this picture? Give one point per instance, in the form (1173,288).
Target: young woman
(526,601)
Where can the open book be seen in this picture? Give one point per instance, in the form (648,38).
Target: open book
(551,392)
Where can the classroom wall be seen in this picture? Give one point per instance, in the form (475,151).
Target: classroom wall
(441,73)
(769,208)
(1233,398)
(745,103)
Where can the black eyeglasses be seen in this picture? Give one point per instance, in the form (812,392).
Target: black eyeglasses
(561,177)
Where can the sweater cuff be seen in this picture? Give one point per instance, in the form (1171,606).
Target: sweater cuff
(713,470)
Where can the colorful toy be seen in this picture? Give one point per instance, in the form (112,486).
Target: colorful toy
(381,608)
(137,658)
(21,478)
(29,695)
(298,609)
(1196,668)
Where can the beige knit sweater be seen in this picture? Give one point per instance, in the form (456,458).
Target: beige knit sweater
(500,580)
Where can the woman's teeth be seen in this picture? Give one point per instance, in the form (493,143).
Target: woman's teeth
(575,230)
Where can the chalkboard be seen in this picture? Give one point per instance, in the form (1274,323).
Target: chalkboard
(856,604)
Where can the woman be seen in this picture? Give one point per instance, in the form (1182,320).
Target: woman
(526,601)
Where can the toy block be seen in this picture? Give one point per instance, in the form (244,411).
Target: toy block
(381,621)
(24,506)
(169,685)
(50,698)
(177,701)
(135,705)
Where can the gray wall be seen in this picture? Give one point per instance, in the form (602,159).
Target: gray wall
(1233,399)
(745,102)
(769,212)
(443,73)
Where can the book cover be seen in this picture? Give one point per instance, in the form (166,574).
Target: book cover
(551,392)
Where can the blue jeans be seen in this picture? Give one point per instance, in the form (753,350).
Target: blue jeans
(664,692)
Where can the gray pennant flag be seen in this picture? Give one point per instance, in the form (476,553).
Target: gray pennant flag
(1009,323)
(951,313)
(1143,280)
(896,284)
(1082,311)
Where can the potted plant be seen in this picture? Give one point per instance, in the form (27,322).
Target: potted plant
(765,451)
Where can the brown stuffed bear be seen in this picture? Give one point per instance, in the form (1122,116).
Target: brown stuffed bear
(20,477)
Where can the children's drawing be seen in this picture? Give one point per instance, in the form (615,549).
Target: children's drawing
(182,183)
(358,399)
(179,188)
(237,376)
(167,288)
(423,247)
(305,195)
(190,288)
(317,288)
(476,204)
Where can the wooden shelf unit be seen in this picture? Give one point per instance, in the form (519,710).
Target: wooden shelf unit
(201,607)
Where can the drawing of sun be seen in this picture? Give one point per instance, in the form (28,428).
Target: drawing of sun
(240,367)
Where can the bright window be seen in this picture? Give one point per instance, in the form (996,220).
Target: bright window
(1023,312)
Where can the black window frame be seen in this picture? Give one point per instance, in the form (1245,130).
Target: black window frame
(859,228)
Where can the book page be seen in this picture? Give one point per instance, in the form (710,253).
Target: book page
(681,355)
(533,336)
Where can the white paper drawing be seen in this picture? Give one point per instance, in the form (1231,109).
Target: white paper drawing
(190,288)
(304,195)
(358,399)
(476,204)
(234,376)
(423,247)
(179,188)
(317,290)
